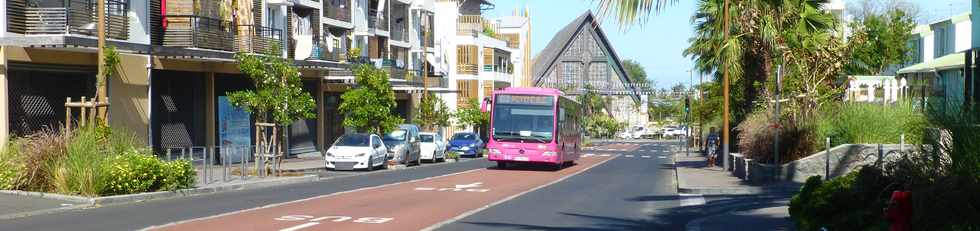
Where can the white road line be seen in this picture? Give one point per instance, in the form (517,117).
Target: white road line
(629,156)
(298,227)
(662,157)
(471,212)
(691,199)
(604,155)
(646,156)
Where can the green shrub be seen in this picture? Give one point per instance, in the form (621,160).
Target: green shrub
(179,174)
(132,172)
(862,123)
(796,139)
(80,171)
(10,167)
(851,202)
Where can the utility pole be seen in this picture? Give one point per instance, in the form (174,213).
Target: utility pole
(101,80)
(724,84)
(777,125)
(425,56)
(701,105)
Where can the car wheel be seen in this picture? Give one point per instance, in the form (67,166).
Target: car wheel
(370,165)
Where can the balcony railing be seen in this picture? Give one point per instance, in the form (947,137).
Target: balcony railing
(72,17)
(467,69)
(199,32)
(399,32)
(437,82)
(321,52)
(473,25)
(396,72)
(374,21)
(498,69)
(337,9)
(258,39)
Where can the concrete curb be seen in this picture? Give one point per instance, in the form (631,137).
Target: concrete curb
(86,202)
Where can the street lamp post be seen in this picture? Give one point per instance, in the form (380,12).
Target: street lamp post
(101,79)
(724,84)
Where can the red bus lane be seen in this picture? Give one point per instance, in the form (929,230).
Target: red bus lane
(401,206)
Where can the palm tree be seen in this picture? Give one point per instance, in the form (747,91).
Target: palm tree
(629,12)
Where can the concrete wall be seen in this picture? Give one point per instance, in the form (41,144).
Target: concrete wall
(963,35)
(128,95)
(843,159)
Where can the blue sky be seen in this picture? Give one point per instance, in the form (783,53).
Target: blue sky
(658,44)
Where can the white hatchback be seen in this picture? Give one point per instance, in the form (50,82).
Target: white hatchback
(357,151)
(433,147)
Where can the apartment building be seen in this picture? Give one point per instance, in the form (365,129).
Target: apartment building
(935,75)
(483,54)
(177,61)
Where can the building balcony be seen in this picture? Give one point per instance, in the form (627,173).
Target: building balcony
(191,31)
(53,17)
(467,69)
(339,10)
(474,25)
(436,82)
(377,20)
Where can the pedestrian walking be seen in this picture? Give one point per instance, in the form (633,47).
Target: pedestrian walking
(712,146)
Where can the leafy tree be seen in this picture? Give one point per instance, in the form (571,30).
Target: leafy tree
(433,112)
(278,96)
(369,107)
(470,116)
(592,101)
(886,41)
(637,74)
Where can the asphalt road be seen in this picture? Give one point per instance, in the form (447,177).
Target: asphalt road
(619,186)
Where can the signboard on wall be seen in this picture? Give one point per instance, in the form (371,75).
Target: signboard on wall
(234,130)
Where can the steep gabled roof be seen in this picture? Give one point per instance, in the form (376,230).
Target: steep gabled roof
(545,60)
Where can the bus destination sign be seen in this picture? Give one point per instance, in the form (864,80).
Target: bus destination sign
(543,100)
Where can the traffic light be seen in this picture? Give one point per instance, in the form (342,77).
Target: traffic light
(687,104)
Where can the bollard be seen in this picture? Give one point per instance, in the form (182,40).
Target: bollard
(168,154)
(881,155)
(224,165)
(901,147)
(244,167)
(827,161)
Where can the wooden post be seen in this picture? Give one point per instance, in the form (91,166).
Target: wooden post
(84,115)
(67,115)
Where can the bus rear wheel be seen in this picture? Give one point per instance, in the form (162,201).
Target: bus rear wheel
(501,165)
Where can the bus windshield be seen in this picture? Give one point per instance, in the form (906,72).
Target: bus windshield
(530,119)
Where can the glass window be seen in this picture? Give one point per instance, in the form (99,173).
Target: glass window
(353,140)
(524,120)
(426,138)
(397,135)
(464,136)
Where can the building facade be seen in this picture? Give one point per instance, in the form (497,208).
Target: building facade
(580,59)
(935,75)
(177,62)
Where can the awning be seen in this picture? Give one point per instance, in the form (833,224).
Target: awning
(951,61)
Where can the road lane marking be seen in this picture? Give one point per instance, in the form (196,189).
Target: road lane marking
(307,199)
(604,155)
(629,156)
(471,185)
(471,212)
(298,227)
(662,157)
(645,156)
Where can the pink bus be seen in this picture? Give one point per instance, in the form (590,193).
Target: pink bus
(533,125)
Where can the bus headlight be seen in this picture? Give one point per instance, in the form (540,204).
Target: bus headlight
(549,153)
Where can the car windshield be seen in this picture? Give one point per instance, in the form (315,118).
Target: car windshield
(397,135)
(531,119)
(426,138)
(464,136)
(354,140)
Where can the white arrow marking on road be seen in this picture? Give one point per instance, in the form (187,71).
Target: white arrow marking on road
(298,227)
(473,185)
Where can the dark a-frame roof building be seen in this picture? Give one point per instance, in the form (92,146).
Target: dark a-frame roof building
(580,57)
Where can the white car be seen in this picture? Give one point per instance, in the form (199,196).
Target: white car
(357,151)
(433,147)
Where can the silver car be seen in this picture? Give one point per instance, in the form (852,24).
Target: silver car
(404,144)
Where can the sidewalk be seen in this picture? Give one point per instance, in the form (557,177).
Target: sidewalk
(695,177)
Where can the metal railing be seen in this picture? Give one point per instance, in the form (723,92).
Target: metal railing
(332,9)
(437,82)
(72,17)
(227,162)
(258,39)
(374,21)
(200,32)
(473,25)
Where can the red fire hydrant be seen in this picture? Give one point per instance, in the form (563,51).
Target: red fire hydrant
(899,211)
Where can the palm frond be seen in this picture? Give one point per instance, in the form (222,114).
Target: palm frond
(630,12)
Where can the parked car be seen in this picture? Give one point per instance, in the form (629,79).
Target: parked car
(403,144)
(433,147)
(357,151)
(466,144)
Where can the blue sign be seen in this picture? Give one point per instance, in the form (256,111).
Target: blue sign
(234,130)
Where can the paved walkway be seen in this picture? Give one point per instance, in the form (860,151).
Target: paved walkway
(695,177)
